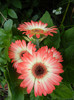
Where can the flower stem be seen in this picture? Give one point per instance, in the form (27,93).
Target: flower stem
(37,43)
(65,13)
(26,38)
(3,16)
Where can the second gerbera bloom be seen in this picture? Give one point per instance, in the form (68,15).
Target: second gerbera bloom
(36,28)
(17,49)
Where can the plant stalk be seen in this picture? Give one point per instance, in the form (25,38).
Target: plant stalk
(37,43)
(65,13)
(3,16)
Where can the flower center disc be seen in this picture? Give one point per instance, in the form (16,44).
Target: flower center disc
(39,70)
(23,52)
(35,31)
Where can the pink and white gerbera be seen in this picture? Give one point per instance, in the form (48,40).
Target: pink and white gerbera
(36,28)
(56,54)
(17,49)
(40,70)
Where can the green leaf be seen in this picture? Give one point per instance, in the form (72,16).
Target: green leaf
(15,91)
(12,13)
(68,37)
(8,25)
(17,3)
(2,68)
(3,82)
(2,36)
(2,32)
(5,37)
(32,96)
(50,41)
(53,41)
(1,49)
(6,54)
(62,91)
(46,18)
(69,57)
(69,54)
(68,75)
(2,60)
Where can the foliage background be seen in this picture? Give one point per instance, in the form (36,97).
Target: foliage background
(14,12)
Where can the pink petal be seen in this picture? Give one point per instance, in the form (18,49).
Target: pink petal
(38,35)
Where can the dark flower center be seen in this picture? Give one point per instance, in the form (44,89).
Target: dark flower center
(22,54)
(39,70)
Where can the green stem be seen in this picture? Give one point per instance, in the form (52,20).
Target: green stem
(65,13)
(41,39)
(3,16)
(37,43)
(26,38)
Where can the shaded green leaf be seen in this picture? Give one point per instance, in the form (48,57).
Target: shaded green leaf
(6,54)
(17,3)
(15,91)
(3,82)
(68,37)
(12,13)
(8,25)
(68,75)
(2,68)
(2,60)
(62,92)
(1,48)
(4,36)
(50,41)
(2,32)
(53,41)
(32,96)
(69,54)
(69,57)
(46,18)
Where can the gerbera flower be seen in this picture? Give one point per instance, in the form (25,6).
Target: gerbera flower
(41,71)
(56,54)
(36,28)
(17,49)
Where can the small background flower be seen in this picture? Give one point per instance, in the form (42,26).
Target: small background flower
(57,11)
